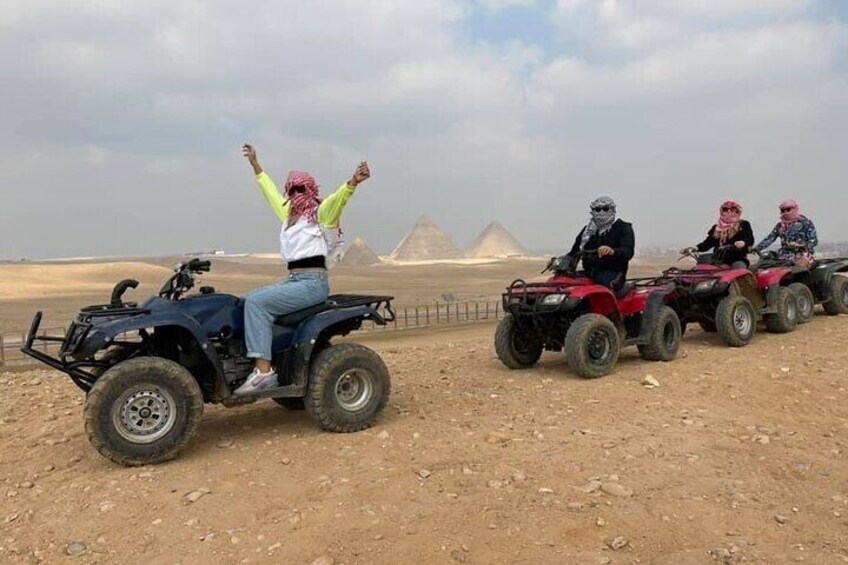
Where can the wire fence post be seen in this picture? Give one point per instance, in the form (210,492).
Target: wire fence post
(476,312)
(416,317)
(438,315)
(428,314)
(2,350)
(447,312)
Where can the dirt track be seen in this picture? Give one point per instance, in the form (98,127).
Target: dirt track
(471,463)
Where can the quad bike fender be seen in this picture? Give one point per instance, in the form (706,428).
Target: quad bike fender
(776,276)
(600,299)
(321,327)
(102,335)
(746,285)
(655,301)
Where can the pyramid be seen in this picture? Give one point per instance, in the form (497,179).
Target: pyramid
(495,241)
(425,241)
(358,254)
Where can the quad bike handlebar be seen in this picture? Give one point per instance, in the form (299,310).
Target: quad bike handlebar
(183,278)
(567,263)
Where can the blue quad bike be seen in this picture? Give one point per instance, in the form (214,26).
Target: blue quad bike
(148,369)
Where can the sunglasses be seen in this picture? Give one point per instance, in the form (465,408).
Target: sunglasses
(729,209)
(787,209)
(297,189)
(602,208)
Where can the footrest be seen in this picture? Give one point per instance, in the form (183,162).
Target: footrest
(287,391)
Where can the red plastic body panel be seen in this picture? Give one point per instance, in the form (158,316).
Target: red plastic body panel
(773,276)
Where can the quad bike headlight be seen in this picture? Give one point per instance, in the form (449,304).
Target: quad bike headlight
(705,286)
(553,299)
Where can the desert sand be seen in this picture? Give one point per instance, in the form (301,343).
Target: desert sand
(739,456)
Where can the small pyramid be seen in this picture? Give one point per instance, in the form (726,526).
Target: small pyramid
(358,254)
(425,241)
(495,241)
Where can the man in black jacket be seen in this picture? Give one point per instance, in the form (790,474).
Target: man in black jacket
(614,241)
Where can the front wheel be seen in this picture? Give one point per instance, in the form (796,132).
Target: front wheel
(515,348)
(736,320)
(806,301)
(664,337)
(349,386)
(837,296)
(143,411)
(785,317)
(592,346)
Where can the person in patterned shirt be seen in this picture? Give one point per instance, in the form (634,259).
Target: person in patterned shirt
(797,233)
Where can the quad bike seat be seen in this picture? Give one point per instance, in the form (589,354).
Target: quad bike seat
(333,302)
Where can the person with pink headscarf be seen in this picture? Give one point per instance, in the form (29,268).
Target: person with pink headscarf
(797,234)
(730,238)
(309,233)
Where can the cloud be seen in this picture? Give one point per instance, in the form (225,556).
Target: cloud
(137,110)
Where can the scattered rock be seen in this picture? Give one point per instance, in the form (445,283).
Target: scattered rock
(76,548)
(617,543)
(424,473)
(274,547)
(324,560)
(762,438)
(721,554)
(195,495)
(600,522)
(519,476)
(383,435)
(157,521)
(497,438)
(285,461)
(224,444)
(546,490)
(780,519)
(591,486)
(27,484)
(467,471)
(616,489)
(650,382)
(458,556)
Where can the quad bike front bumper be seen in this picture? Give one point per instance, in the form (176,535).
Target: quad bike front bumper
(72,338)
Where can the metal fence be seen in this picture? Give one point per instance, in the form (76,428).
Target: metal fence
(406,318)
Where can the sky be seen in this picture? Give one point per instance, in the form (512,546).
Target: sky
(122,121)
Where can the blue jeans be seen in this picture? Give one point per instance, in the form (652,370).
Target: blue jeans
(263,305)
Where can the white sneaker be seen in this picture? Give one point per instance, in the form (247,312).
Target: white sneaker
(257,381)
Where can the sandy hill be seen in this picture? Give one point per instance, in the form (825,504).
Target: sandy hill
(425,241)
(358,254)
(495,241)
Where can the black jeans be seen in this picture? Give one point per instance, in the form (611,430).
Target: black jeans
(610,279)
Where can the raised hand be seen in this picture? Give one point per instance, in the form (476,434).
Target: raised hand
(360,175)
(249,152)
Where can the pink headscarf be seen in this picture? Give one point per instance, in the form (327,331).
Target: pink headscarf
(728,221)
(302,203)
(789,218)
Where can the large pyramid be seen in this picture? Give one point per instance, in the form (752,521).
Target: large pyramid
(425,241)
(495,241)
(358,254)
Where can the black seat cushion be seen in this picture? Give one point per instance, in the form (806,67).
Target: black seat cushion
(296,317)
(333,302)
(624,290)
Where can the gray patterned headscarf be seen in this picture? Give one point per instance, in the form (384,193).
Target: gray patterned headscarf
(601,221)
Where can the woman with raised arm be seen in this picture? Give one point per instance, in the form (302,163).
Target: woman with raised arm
(309,233)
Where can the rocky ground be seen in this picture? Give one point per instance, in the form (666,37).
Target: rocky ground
(738,456)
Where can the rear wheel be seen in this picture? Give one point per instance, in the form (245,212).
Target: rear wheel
(143,411)
(592,346)
(515,348)
(837,296)
(806,301)
(736,320)
(349,386)
(664,339)
(785,318)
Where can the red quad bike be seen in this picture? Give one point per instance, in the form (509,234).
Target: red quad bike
(588,321)
(730,301)
(824,282)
